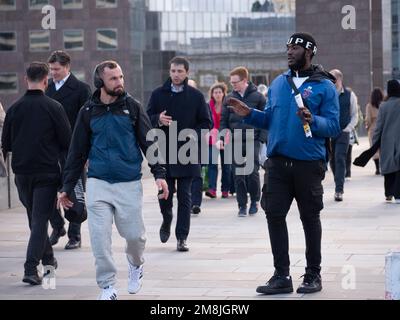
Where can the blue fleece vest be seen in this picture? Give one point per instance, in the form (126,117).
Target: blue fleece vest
(115,155)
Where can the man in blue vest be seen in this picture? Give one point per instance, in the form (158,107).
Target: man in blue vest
(348,119)
(110,132)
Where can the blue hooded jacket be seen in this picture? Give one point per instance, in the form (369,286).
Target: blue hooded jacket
(286,133)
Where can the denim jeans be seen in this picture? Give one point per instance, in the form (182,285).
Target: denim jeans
(213,170)
(340,146)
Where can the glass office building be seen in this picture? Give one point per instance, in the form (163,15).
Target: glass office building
(143,35)
(395,38)
(216,36)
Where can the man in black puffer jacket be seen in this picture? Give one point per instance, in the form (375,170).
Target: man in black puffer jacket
(246,92)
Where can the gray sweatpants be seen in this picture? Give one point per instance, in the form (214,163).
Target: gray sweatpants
(123,203)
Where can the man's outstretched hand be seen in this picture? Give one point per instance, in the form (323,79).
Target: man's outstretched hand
(238,107)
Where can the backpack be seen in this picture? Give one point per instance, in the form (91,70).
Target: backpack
(131,107)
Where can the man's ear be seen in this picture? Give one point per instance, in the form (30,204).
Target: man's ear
(309,54)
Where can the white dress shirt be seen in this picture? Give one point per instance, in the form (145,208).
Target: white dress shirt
(60,83)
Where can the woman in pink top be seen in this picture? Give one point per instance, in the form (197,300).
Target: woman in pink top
(370,119)
(217,95)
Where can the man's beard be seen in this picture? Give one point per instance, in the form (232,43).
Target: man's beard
(298,65)
(114,93)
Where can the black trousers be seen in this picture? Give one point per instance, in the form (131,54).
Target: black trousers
(38,194)
(57,221)
(392,184)
(349,161)
(248,184)
(289,179)
(183,192)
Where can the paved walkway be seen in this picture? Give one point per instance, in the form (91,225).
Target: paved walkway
(229,256)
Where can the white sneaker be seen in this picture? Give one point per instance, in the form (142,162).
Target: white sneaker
(135,278)
(108,293)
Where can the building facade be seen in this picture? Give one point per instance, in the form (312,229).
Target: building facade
(216,36)
(357,52)
(143,35)
(90,31)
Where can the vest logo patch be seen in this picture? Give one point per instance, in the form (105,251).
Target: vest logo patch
(307,92)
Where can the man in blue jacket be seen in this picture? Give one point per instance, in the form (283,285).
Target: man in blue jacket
(110,132)
(297,161)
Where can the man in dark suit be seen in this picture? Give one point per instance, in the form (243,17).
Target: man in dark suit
(72,93)
(178,104)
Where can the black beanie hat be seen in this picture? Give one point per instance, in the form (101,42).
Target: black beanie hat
(393,88)
(304,40)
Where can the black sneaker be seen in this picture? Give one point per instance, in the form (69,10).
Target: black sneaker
(277,285)
(165,231)
(57,234)
(196,209)
(338,196)
(242,211)
(32,279)
(311,283)
(253,208)
(182,246)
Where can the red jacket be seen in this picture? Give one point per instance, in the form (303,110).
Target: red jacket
(216,121)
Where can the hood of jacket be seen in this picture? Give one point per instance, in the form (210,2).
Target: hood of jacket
(95,100)
(250,89)
(315,73)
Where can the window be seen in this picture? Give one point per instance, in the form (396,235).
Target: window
(7,5)
(106,3)
(259,79)
(80,75)
(8,41)
(107,39)
(8,83)
(39,40)
(72,4)
(37,4)
(73,39)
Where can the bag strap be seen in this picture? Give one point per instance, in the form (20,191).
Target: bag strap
(291,82)
(296,90)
